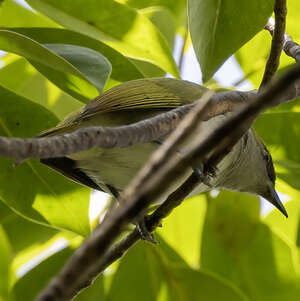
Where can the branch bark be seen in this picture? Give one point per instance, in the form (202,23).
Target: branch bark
(290,47)
(112,137)
(277,42)
(124,136)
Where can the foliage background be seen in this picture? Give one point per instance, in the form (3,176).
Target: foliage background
(65,53)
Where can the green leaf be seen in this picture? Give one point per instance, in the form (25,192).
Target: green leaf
(28,286)
(31,189)
(13,14)
(122,68)
(5,213)
(288,229)
(182,229)
(176,7)
(138,276)
(117,25)
(5,260)
(94,292)
(279,128)
(230,224)
(23,233)
(219,28)
(19,76)
(75,81)
(252,57)
(246,252)
(187,284)
(163,20)
(94,66)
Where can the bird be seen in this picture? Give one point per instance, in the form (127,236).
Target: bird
(247,168)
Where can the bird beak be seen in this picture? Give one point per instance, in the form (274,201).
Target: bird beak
(274,199)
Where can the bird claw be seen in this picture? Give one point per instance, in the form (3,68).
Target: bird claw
(205,173)
(143,231)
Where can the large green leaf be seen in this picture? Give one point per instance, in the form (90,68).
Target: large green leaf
(138,276)
(122,68)
(28,286)
(5,260)
(163,20)
(13,14)
(185,284)
(23,233)
(280,130)
(219,28)
(288,229)
(19,76)
(177,7)
(252,57)
(183,228)
(68,66)
(237,246)
(94,292)
(117,25)
(31,189)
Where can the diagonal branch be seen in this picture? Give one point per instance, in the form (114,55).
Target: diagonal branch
(120,248)
(277,43)
(152,180)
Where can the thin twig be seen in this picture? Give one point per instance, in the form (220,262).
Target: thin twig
(277,43)
(152,180)
(290,47)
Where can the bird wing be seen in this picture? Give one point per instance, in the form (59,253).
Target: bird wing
(151,96)
(150,93)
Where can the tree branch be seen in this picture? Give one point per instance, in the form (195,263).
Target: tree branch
(290,47)
(153,179)
(277,43)
(112,137)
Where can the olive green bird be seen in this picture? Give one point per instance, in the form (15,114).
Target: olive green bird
(248,167)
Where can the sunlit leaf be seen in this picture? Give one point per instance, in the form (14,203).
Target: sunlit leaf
(187,284)
(94,292)
(13,14)
(288,229)
(183,228)
(219,28)
(5,260)
(252,57)
(28,286)
(163,20)
(31,189)
(142,284)
(237,246)
(279,129)
(122,68)
(117,25)
(66,66)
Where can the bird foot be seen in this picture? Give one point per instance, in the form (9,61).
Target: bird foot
(143,231)
(205,173)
